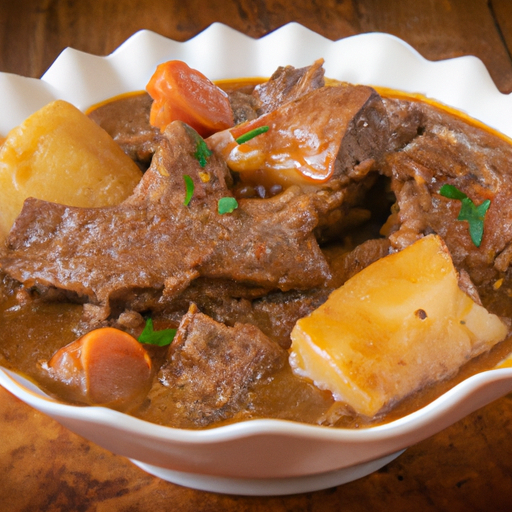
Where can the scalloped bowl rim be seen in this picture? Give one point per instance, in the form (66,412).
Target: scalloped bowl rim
(375,59)
(404,425)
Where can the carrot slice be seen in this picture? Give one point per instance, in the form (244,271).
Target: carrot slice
(182,93)
(106,366)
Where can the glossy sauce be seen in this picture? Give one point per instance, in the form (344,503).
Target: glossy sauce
(30,334)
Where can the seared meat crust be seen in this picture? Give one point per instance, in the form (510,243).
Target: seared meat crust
(288,84)
(210,370)
(152,246)
(477,162)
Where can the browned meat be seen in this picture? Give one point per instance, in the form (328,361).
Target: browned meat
(127,122)
(277,313)
(228,303)
(147,250)
(406,120)
(288,84)
(210,371)
(360,118)
(477,162)
(243,106)
(144,253)
(358,115)
(327,142)
(345,264)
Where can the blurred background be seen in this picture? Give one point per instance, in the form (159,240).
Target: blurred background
(34,32)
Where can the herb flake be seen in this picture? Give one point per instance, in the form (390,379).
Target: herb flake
(227,205)
(202,152)
(160,338)
(189,189)
(452,192)
(469,212)
(251,134)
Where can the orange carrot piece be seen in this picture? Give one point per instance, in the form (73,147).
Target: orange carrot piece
(182,93)
(106,366)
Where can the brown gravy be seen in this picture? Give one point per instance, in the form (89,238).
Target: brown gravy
(30,334)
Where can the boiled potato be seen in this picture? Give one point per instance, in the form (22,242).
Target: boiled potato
(398,325)
(60,155)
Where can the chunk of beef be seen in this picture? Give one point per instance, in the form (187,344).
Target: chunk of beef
(477,162)
(244,106)
(364,129)
(347,263)
(148,249)
(126,120)
(276,313)
(335,132)
(358,116)
(211,370)
(406,121)
(288,84)
(226,302)
(327,142)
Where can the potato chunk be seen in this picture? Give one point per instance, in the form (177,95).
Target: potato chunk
(58,154)
(396,326)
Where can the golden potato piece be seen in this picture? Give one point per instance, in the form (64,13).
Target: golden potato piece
(396,326)
(60,155)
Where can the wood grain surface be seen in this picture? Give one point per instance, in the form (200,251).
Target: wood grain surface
(44,467)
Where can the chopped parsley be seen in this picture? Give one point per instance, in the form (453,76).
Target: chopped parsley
(251,134)
(227,205)
(202,152)
(189,189)
(469,211)
(160,338)
(452,192)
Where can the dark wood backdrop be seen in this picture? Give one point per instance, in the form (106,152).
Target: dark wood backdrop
(44,467)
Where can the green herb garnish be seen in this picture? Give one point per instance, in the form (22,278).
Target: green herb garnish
(452,192)
(227,205)
(251,134)
(469,211)
(202,152)
(160,338)
(189,189)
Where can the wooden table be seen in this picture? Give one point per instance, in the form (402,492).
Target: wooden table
(44,467)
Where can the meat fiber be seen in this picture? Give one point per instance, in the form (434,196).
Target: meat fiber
(149,248)
(127,122)
(211,369)
(288,84)
(143,253)
(448,150)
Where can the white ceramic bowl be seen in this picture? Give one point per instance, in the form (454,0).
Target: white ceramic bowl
(261,457)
